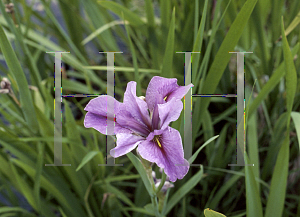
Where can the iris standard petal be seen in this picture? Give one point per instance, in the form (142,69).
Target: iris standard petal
(169,156)
(179,92)
(125,143)
(137,107)
(155,118)
(158,88)
(169,112)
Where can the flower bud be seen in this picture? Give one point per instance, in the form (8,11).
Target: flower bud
(142,98)
(5,84)
(165,187)
(154,175)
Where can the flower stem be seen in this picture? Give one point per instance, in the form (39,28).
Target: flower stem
(163,179)
(148,167)
(157,205)
(161,201)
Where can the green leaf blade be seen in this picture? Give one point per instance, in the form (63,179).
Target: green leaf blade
(275,204)
(168,56)
(276,197)
(16,69)
(89,156)
(296,119)
(193,158)
(139,167)
(253,202)
(291,74)
(118,9)
(222,57)
(181,192)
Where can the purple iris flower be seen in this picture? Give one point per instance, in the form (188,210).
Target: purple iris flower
(144,122)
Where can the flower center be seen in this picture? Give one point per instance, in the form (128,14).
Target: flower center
(156,139)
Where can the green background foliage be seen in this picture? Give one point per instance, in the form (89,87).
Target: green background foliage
(150,33)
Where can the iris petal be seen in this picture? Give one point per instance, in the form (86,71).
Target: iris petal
(137,107)
(168,156)
(125,119)
(169,112)
(158,89)
(179,92)
(98,116)
(155,118)
(125,143)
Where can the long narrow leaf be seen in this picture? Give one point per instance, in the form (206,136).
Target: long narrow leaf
(168,56)
(181,192)
(275,204)
(131,17)
(16,69)
(296,119)
(222,57)
(192,159)
(139,167)
(253,202)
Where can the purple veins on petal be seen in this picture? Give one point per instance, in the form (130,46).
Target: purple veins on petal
(125,143)
(179,92)
(155,118)
(169,112)
(125,119)
(136,106)
(166,157)
(158,88)
(98,115)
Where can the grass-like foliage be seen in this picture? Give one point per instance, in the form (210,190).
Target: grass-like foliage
(149,33)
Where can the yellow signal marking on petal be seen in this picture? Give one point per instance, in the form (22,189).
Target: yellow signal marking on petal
(158,142)
(165,98)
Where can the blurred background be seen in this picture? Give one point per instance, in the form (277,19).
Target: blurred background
(149,33)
